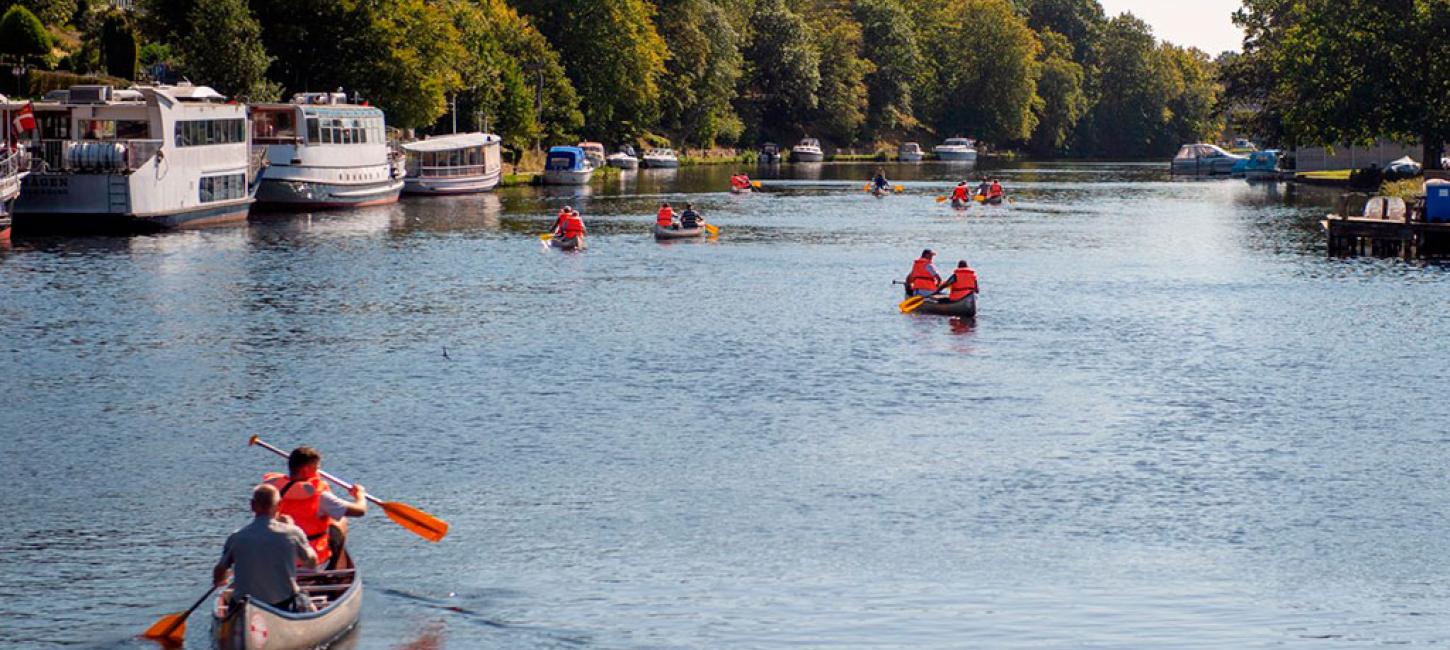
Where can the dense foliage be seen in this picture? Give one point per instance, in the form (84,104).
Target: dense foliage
(1057,77)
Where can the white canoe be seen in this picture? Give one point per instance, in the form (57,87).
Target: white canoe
(251,625)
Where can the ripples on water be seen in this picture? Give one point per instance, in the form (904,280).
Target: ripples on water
(1175,423)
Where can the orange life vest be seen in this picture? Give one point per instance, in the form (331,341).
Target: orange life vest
(964,283)
(740,182)
(573,226)
(996,191)
(302,501)
(922,276)
(960,194)
(666,217)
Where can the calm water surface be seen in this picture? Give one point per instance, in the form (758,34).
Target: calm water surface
(1174,425)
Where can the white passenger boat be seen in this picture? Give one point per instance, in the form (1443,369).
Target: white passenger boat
(809,150)
(461,163)
(324,153)
(13,168)
(152,157)
(624,158)
(957,150)
(909,152)
(567,166)
(253,625)
(661,158)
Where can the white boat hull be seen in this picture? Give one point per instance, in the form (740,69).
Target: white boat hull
(956,155)
(459,185)
(910,157)
(567,177)
(661,163)
(807,156)
(624,162)
(301,194)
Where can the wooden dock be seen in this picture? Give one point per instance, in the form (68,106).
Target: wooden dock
(1408,236)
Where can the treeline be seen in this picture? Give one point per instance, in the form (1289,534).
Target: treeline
(1056,77)
(1331,72)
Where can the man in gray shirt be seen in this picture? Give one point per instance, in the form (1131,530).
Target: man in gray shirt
(265,554)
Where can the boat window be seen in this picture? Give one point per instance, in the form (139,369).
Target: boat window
(195,133)
(54,126)
(314,133)
(223,188)
(115,130)
(274,125)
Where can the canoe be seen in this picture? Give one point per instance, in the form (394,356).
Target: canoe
(568,243)
(964,308)
(996,201)
(741,190)
(251,625)
(960,204)
(879,192)
(667,234)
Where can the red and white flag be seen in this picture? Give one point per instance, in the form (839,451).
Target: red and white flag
(25,118)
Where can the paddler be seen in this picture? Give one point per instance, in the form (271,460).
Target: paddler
(962,282)
(690,218)
(959,195)
(879,182)
(982,189)
(571,226)
(923,280)
(264,556)
(995,192)
(740,182)
(563,214)
(311,504)
(665,218)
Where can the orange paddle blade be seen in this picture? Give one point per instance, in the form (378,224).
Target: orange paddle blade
(546,236)
(912,304)
(713,230)
(170,629)
(941,199)
(421,523)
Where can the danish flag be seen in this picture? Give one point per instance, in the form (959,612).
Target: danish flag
(25,118)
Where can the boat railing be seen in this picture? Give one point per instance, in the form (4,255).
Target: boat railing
(448,171)
(12,162)
(94,156)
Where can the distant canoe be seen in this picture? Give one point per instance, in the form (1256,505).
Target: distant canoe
(964,308)
(670,234)
(251,625)
(568,243)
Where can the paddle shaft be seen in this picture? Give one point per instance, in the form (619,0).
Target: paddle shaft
(341,483)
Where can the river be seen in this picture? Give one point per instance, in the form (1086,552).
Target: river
(1174,424)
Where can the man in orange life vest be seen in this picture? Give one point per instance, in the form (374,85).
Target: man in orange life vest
(962,282)
(959,195)
(310,503)
(570,226)
(666,216)
(923,279)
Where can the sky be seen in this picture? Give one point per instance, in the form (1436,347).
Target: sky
(1205,24)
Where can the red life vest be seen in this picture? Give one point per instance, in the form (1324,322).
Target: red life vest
(666,217)
(964,283)
(922,276)
(573,226)
(302,501)
(740,182)
(960,194)
(996,191)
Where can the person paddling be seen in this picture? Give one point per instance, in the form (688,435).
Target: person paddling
(995,192)
(570,226)
(264,555)
(879,182)
(309,501)
(923,280)
(962,282)
(984,188)
(665,218)
(558,222)
(690,219)
(740,182)
(959,195)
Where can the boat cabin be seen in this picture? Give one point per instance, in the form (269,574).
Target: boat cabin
(566,159)
(318,119)
(594,151)
(910,148)
(453,156)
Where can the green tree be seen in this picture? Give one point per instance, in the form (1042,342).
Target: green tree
(22,36)
(1061,98)
(701,75)
(1081,22)
(983,58)
(119,49)
(614,57)
(890,39)
(1132,110)
(783,68)
(541,84)
(1193,111)
(219,45)
(50,12)
(843,96)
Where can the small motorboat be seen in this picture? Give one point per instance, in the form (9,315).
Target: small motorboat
(567,166)
(1402,169)
(461,163)
(625,158)
(910,152)
(594,152)
(1204,159)
(769,153)
(808,151)
(964,308)
(252,625)
(671,234)
(1262,166)
(662,158)
(568,243)
(957,150)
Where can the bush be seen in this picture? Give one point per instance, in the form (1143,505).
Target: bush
(42,82)
(50,12)
(22,34)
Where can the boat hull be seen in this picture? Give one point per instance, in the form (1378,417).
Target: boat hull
(951,155)
(964,308)
(568,244)
(960,204)
(909,157)
(673,234)
(660,163)
(623,162)
(445,186)
(807,156)
(1198,167)
(257,626)
(299,194)
(567,177)
(201,217)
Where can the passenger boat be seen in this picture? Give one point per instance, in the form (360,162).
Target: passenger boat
(809,150)
(624,158)
(567,166)
(14,165)
(670,234)
(594,152)
(769,153)
(252,625)
(956,150)
(462,163)
(148,158)
(661,158)
(964,308)
(1204,159)
(909,152)
(323,152)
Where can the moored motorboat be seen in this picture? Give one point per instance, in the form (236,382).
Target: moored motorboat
(252,625)
(462,163)
(594,152)
(324,152)
(808,151)
(13,167)
(769,153)
(661,158)
(1205,159)
(567,166)
(909,152)
(669,234)
(956,150)
(964,308)
(624,158)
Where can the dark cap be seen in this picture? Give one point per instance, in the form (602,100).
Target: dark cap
(928,253)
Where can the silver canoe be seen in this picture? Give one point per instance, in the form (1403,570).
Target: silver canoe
(251,625)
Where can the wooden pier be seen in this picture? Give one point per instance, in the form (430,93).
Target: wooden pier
(1406,236)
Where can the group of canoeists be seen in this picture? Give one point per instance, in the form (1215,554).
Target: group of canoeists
(924,289)
(989,192)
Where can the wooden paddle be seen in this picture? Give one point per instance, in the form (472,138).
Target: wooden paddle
(420,523)
(171,629)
